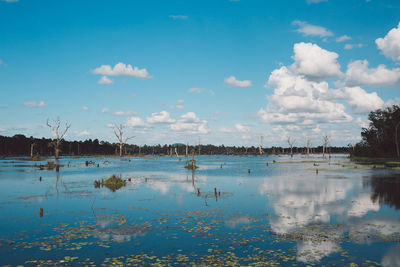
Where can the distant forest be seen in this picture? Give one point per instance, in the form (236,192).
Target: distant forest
(20,145)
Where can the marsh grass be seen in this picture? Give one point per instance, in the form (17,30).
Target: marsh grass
(114,183)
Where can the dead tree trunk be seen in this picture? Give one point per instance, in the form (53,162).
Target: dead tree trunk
(396,140)
(55,128)
(260,149)
(290,143)
(119,132)
(32,146)
(308,146)
(325,139)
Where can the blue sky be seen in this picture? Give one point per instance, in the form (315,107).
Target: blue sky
(223,71)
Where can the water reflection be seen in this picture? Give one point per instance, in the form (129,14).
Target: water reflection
(280,207)
(392,257)
(303,205)
(122,233)
(386,189)
(299,201)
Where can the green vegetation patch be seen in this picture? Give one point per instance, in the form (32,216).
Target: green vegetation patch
(114,183)
(191,164)
(50,165)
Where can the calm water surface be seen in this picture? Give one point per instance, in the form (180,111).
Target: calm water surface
(281,214)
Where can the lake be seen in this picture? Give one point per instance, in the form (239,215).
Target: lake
(232,210)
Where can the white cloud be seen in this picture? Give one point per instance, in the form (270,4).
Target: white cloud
(314,62)
(178,17)
(124,113)
(162,117)
(189,117)
(34,104)
(192,128)
(121,69)
(242,128)
(297,100)
(315,1)
(390,44)
(343,38)
(361,101)
(190,123)
(180,101)
(362,122)
(85,108)
(233,82)
(10,1)
(311,30)
(135,122)
(105,110)
(105,80)
(358,74)
(225,130)
(83,133)
(195,90)
(351,46)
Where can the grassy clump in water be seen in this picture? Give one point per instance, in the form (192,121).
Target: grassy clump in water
(36,158)
(50,165)
(191,164)
(114,183)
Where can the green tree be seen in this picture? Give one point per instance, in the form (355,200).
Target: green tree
(381,138)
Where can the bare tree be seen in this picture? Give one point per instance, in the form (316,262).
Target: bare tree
(119,132)
(55,128)
(325,141)
(199,146)
(308,146)
(260,145)
(291,143)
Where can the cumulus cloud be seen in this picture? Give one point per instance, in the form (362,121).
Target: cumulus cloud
(121,69)
(124,113)
(297,100)
(178,17)
(34,104)
(195,90)
(190,123)
(105,80)
(311,30)
(358,73)
(83,133)
(315,1)
(242,128)
(314,62)
(390,44)
(233,82)
(343,38)
(105,110)
(161,117)
(351,46)
(361,101)
(135,122)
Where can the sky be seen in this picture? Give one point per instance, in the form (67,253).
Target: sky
(214,71)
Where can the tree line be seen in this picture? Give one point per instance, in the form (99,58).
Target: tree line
(381,138)
(20,145)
